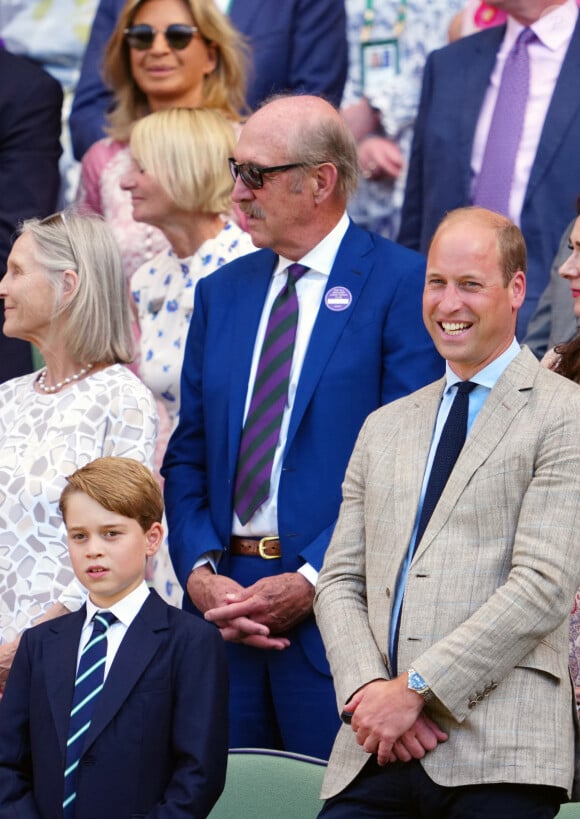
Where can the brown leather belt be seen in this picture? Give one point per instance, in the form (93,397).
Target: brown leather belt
(264,547)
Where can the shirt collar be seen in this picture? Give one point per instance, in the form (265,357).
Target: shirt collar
(126,609)
(321,257)
(553,29)
(490,374)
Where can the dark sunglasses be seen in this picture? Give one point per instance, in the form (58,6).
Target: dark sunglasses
(253,175)
(177,35)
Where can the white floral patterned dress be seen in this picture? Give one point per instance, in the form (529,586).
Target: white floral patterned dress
(44,438)
(163,291)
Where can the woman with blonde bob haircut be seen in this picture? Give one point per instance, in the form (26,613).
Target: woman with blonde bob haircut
(186,151)
(64,291)
(179,182)
(162,54)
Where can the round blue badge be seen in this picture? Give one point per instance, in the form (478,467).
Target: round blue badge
(338,298)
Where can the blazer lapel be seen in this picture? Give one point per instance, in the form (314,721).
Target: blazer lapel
(250,293)
(350,271)
(476,73)
(60,663)
(503,404)
(411,457)
(563,109)
(135,653)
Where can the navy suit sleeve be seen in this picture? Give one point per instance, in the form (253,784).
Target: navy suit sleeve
(92,98)
(30,114)
(184,466)
(411,229)
(319,52)
(16,797)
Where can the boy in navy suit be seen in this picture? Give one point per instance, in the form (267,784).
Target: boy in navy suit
(156,742)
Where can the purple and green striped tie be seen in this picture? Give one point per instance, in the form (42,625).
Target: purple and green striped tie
(262,428)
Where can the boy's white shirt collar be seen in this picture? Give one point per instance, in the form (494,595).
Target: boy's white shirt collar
(126,609)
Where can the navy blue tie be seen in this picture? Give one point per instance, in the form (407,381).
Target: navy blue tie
(88,685)
(448,449)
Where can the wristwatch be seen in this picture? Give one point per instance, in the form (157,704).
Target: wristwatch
(417,683)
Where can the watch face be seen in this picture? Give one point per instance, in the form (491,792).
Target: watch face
(417,683)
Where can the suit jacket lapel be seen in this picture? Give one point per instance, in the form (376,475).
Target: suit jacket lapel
(136,652)
(351,268)
(563,109)
(60,664)
(504,402)
(411,457)
(476,73)
(250,293)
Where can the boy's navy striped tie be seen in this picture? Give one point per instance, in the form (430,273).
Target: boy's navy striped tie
(88,686)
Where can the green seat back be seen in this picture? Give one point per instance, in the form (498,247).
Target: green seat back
(261,784)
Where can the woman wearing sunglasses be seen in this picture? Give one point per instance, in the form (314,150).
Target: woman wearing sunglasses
(188,201)
(162,54)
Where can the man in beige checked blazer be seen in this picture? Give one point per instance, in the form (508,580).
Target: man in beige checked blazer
(479,719)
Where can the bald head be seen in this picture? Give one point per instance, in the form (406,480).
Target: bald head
(310,131)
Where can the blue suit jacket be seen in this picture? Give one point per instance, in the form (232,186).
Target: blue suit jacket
(158,734)
(371,353)
(296,45)
(454,84)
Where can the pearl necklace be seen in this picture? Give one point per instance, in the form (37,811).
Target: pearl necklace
(75,377)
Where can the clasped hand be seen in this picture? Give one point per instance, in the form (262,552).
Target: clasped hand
(257,615)
(388,721)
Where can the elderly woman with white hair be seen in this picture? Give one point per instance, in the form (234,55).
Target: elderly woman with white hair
(64,291)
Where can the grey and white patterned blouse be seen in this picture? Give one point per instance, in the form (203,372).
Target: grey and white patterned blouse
(44,438)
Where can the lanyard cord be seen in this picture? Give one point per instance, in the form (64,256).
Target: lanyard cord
(369,18)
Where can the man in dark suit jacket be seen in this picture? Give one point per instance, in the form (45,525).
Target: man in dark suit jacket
(156,744)
(553,321)
(360,343)
(297,45)
(30,110)
(440,175)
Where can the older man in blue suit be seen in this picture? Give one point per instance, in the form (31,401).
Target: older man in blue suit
(460,86)
(359,342)
(296,45)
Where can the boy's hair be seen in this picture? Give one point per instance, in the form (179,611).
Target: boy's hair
(121,485)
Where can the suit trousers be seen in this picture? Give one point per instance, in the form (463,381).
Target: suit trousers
(402,790)
(278,699)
